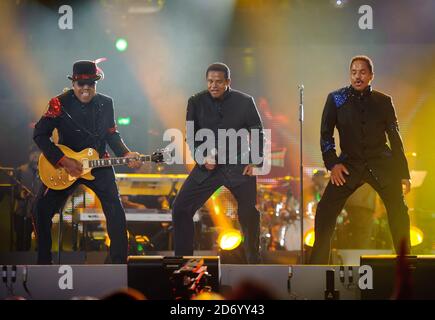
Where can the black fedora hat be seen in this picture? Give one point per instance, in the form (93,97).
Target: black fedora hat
(86,70)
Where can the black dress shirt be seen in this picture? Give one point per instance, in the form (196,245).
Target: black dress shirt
(236,110)
(79,126)
(363,120)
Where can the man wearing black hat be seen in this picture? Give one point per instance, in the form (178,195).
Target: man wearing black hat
(363,117)
(83,119)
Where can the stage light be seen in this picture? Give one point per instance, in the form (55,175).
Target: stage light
(229,239)
(411,154)
(107,240)
(146,7)
(416,236)
(309,238)
(338,3)
(208,296)
(124,121)
(121,44)
(141,239)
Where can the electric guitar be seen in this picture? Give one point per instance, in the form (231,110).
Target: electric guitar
(57,178)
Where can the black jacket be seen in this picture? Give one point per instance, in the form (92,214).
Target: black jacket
(79,126)
(363,120)
(236,111)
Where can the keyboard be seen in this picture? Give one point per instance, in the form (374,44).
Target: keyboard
(147,215)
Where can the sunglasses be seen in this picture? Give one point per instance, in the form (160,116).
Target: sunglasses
(83,83)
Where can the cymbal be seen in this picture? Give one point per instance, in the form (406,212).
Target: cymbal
(287,178)
(261,186)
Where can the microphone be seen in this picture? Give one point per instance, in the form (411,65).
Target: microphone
(342,274)
(14,273)
(301,102)
(350,275)
(5,274)
(24,274)
(301,93)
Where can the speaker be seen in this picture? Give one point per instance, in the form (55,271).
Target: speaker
(273,278)
(151,275)
(353,256)
(63,282)
(319,282)
(422,273)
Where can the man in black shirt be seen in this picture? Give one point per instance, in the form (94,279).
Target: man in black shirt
(220,107)
(363,118)
(83,119)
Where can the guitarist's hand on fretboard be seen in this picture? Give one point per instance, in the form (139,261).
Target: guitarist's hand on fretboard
(72,166)
(133,164)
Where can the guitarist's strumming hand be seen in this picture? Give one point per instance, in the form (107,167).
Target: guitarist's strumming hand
(72,166)
(133,164)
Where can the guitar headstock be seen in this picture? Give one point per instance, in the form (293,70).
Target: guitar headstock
(161,155)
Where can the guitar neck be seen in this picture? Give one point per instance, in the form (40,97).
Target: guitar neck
(115,161)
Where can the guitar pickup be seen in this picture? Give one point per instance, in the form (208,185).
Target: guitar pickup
(85,163)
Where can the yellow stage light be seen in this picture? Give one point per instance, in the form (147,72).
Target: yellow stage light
(415,233)
(208,296)
(107,241)
(229,239)
(142,239)
(416,236)
(309,238)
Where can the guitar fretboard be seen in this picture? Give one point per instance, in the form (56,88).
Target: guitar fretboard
(115,161)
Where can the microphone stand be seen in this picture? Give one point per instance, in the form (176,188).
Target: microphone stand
(11,174)
(301,173)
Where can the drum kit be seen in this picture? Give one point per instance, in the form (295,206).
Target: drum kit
(280,214)
(280,227)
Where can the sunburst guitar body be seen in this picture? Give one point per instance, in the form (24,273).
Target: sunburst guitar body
(57,178)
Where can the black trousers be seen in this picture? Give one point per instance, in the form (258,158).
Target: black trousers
(193,195)
(51,201)
(332,203)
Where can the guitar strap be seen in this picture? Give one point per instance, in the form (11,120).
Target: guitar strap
(91,135)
